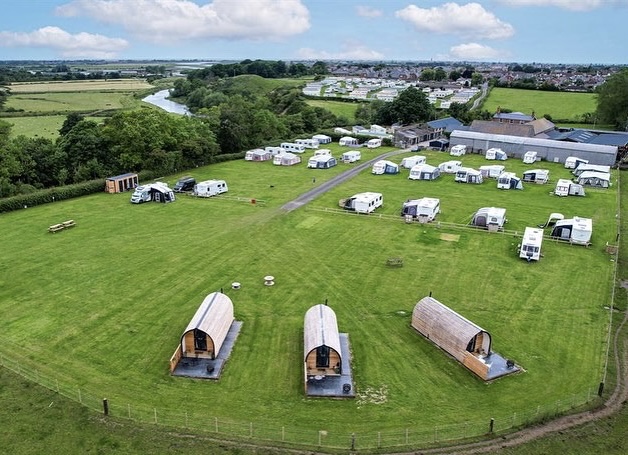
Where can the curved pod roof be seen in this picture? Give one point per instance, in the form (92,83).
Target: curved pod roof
(320,328)
(214,317)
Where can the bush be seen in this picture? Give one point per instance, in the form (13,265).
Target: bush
(51,194)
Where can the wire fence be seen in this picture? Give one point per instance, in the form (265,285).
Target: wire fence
(306,438)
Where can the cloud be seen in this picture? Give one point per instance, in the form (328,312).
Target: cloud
(79,45)
(348,51)
(574,5)
(167,21)
(467,20)
(475,51)
(367,11)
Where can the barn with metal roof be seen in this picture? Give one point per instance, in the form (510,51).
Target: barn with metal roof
(547,149)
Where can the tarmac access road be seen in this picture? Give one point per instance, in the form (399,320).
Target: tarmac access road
(337,180)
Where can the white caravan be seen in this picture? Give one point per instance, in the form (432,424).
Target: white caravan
(491,218)
(458,150)
(585,167)
(363,202)
(575,230)
(536,176)
(424,210)
(573,162)
(410,161)
(509,181)
(307,143)
(348,141)
(209,188)
(496,154)
(468,175)
(292,147)
(274,151)
(530,248)
(385,167)
(450,167)
(595,179)
(424,172)
(322,152)
(530,157)
(286,159)
(566,187)
(492,170)
(322,138)
(351,156)
(374,143)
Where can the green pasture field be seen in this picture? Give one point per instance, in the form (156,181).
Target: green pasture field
(46,126)
(559,105)
(338,108)
(124,85)
(102,306)
(55,102)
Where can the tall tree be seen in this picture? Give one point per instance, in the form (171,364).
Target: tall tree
(612,101)
(411,106)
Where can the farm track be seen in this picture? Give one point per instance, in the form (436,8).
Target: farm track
(337,180)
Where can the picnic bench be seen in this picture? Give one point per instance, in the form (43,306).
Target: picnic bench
(61,226)
(395,262)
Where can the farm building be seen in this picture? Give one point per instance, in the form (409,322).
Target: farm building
(257,155)
(547,149)
(121,183)
(460,338)
(439,144)
(207,339)
(325,354)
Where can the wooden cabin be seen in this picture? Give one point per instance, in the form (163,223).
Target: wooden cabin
(321,342)
(206,332)
(456,335)
(121,183)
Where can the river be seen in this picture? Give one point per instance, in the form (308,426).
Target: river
(159,99)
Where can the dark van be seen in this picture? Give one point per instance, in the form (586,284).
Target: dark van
(184,184)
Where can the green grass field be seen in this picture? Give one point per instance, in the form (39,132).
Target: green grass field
(338,108)
(100,308)
(559,105)
(54,102)
(46,126)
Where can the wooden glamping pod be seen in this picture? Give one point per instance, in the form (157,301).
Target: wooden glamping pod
(121,183)
(321,342)
(461,338)
(205,335)
(326,355)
